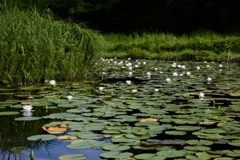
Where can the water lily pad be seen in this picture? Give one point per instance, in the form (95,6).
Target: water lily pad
(115,147)
(197,148)
(116,155)
(73,157)
(175,133)
(172,153)
(235,143)
(55,129)
(199,142)
(8,113)
(144,156)
(27,118)
(42,137)
(80,145)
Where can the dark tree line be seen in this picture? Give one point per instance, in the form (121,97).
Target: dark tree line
(178,16)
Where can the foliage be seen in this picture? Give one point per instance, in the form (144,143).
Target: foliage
(35,47)
(197,46)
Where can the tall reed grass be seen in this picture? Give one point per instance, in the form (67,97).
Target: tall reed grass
(197,46)
(34,47)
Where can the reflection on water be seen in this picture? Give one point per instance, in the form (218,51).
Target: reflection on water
(14,134)
(52,151)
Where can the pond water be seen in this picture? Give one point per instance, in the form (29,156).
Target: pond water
(136,109)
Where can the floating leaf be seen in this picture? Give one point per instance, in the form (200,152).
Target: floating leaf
(27,118)
(144,156)
(199,142)
(55,129)
(116,155)
(73,157)
(42,137)
(8,113)
(115,147)
(66,137)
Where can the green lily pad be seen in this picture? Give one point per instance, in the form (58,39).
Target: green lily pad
(199,142)
(172,153)
(235,143)
(175,133)
(197,148)
(116,155)
(8,113)
(73,157)
(80,145)
(187,128)
(115,147)
(27,118)
(144,156)
(42,137)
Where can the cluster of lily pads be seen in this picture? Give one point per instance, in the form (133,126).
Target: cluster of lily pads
(145,109)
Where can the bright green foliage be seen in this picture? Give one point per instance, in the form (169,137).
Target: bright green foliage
(198,46)
(35,47)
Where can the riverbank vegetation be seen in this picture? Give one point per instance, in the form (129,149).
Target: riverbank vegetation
(34,47)
(200,45)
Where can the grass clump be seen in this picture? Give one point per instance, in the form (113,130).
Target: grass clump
(35,47)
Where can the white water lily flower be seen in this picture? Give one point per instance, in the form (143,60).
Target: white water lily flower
(209,79)
(156,89)
(174,65)
(149,75)
(188,73)
(101,88)
(136,66)
(175,74)
(183,67)
(168,79)
(130,74)
(198,67)
(128,82)
(27,110)
(69,97)
(134,91)
(52,82)
(207,65)
(130,68)
(220,65)
(201,95)
(144,63)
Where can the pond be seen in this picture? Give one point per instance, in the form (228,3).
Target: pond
(136,109)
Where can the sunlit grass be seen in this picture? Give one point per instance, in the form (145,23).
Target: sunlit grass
(197,46)
(35,47)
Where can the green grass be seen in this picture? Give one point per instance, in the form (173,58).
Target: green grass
(198,46)
(34,47)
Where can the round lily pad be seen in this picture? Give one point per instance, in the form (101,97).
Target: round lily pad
(27,118)
(115,147)
(42,137)
(73,157)
(116,155)
(200,142)
(8,113)
(175,133)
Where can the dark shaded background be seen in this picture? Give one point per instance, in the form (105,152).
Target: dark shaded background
(125,16)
